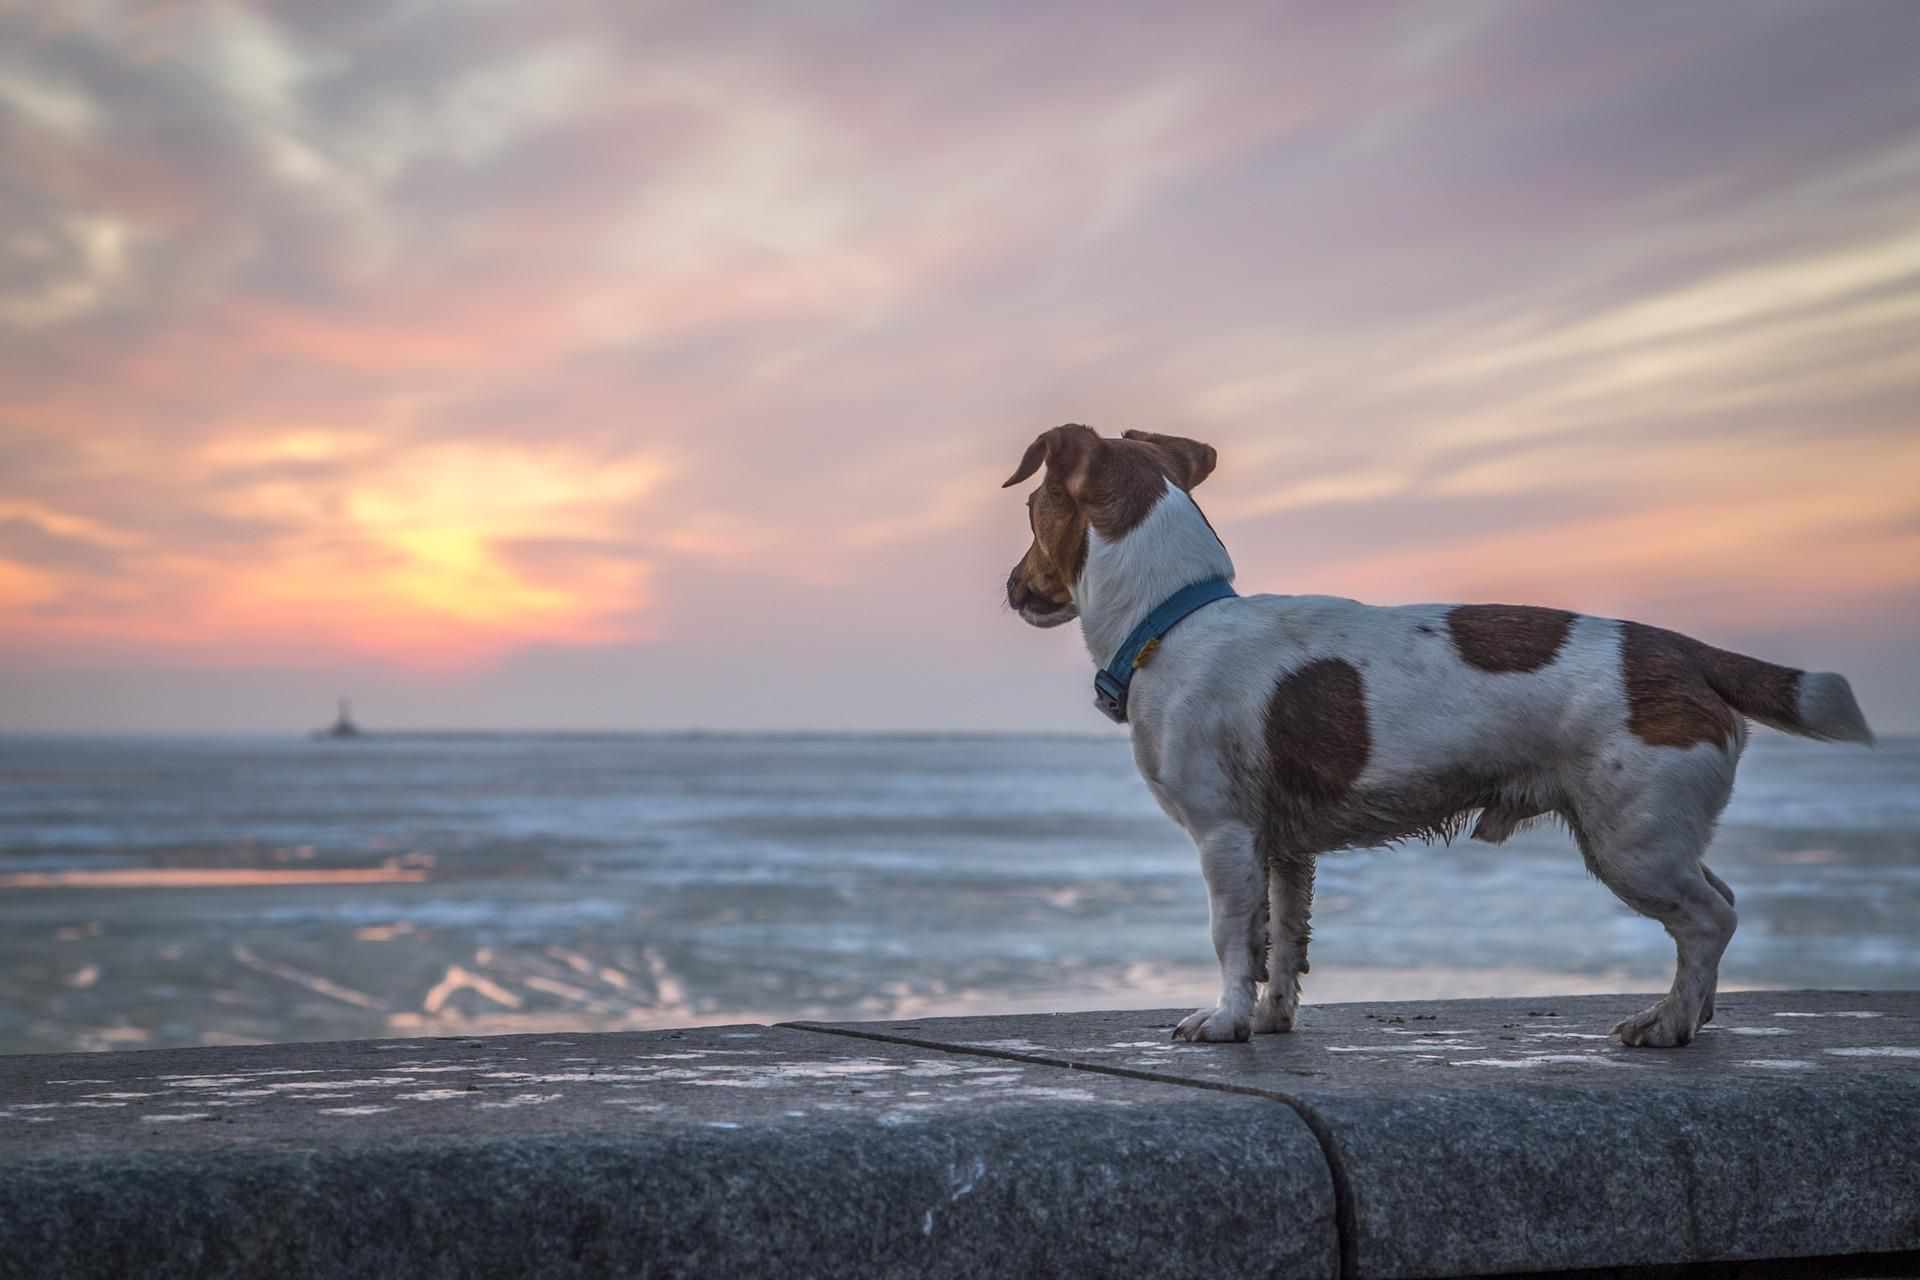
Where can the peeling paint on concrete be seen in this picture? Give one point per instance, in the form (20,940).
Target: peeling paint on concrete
(1878,1051)
(1567,1035)
(1540,1060)
(1429,1047)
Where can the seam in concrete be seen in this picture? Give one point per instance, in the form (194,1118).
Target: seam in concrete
(1345,1218)
(1346,1222)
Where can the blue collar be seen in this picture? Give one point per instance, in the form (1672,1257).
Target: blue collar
(1111,681)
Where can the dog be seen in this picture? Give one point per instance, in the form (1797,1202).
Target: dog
(1275,729)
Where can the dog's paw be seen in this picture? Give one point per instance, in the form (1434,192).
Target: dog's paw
(1277,1006)
(1214,1025)
(1270,1018)
(1661,1027)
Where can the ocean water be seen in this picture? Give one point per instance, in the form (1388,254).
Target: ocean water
(220,890)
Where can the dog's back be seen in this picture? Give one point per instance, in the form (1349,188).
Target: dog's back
(1340,724)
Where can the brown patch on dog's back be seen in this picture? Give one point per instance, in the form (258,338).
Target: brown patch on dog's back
(1681,692)
(1669,703)
(1506,638)
(1317,737)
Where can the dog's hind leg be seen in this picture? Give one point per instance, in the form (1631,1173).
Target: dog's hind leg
(1289,912)
(1647,850)
(1720,887)
(1701,924)
(1235,887)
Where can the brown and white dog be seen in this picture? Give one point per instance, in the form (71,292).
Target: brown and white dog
(1278,728)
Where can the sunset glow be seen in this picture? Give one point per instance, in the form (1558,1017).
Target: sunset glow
(601,365)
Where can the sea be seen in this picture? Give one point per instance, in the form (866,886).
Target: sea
(225,890)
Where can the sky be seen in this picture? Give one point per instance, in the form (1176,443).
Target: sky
(593,364)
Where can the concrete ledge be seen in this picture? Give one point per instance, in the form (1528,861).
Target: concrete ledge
(718,1152)
(1490,1136)
(1376,1140)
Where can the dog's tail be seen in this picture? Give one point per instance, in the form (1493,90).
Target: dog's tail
(1812,704)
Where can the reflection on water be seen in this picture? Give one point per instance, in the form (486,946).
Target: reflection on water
(199,877)
(213,891)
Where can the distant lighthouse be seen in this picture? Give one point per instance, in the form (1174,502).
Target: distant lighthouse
(344,727)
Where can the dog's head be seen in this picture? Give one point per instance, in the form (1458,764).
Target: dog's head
(1091,484)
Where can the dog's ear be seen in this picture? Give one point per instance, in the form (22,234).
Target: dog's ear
(1188,461)
(1068,452)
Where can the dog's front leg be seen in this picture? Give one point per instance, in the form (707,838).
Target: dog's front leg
(1236,887)
(1289,912)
